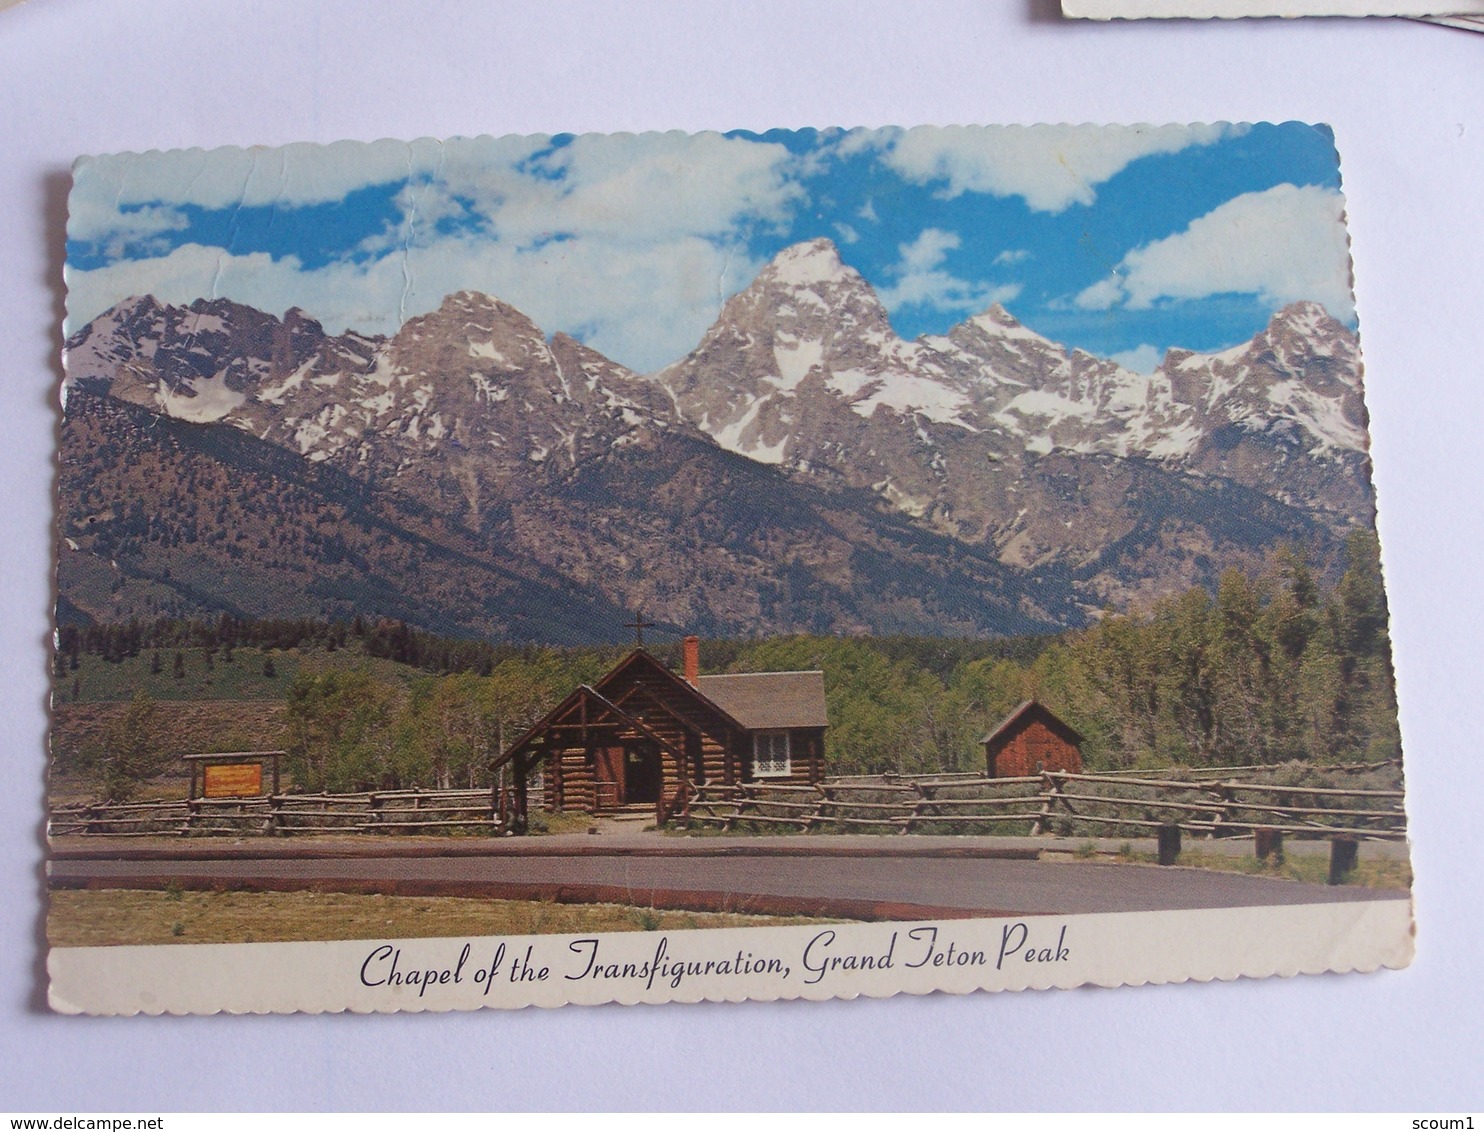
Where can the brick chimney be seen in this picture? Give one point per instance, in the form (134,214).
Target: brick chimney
(692,649)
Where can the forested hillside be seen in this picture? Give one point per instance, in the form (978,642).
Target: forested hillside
(1271,667)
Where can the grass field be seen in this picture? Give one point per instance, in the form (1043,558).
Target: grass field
(203,725)
(112,917)
(241,678)
(1368,873)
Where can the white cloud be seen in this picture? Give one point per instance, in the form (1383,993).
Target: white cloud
(634,188)
(1051,167)
(118,232)
(868,212)
(921,281)
(189,272)
(1284,244)
(1101,295)
(289,175)
(633,240)
(847,234)
(927,251)
(1011,256)
(1141,359)
(642,307)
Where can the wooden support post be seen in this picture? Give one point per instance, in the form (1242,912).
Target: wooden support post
(503,793)
(1050,788)
(1268,843)
(522,769)
(1169,844)
(1343,853)
(1228,800)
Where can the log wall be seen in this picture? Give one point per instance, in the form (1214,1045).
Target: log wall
(1030,749)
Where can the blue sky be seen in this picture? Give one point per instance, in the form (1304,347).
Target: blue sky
(1121,240)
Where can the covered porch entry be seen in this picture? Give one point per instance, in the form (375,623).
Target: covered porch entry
(630,774)
(599,758)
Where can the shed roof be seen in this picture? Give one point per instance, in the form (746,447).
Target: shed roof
(760,700)
(1029,707)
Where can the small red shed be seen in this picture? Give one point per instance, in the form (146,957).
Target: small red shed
(1030,740)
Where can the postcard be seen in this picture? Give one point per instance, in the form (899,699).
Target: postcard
(665,567)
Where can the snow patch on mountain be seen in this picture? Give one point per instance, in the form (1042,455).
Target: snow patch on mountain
(205,401)
(796,359)
(906,393)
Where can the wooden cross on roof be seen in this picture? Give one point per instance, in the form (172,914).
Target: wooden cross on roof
(638,624)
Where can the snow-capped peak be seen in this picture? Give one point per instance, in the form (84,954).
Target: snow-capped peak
(1306,318)
(809,263)
(1000,323)
(802,369)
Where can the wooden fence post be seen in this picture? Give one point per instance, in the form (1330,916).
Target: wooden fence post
(1050,788)
(1228,800)
(1343,853)
(922,798)
(1169,844)
(1268,843)
(522,769)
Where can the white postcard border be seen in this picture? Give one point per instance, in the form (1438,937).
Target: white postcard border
(814,962)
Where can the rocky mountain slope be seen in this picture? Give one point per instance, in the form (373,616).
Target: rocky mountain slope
(802,468)
(164,517)
(802,370)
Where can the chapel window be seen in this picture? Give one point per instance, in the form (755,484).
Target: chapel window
(770,754)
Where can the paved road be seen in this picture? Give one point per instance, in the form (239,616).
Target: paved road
(866,882)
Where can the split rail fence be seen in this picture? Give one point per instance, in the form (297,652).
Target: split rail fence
(1111,805)
(395,811)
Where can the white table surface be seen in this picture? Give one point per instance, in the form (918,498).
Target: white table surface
(1405,100)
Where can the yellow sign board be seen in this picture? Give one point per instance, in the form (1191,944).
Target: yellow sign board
(233,780)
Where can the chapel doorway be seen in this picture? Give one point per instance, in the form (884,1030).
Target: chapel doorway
(641,773)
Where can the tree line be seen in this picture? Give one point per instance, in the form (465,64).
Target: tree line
(1273,666)
(382,638)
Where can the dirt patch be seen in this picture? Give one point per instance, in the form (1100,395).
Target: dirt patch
(184,726)
(111,917)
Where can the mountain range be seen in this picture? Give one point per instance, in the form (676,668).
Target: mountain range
(802,469)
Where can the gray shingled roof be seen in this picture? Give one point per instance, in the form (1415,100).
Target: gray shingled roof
(769,699)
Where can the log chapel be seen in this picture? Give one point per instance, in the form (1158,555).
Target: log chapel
(646,737)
